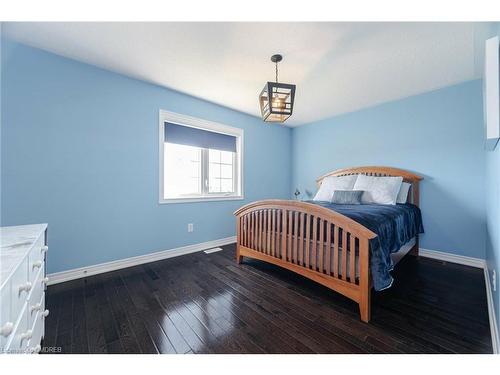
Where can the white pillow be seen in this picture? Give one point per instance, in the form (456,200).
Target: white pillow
(380,190)
(330,184)
(403,193)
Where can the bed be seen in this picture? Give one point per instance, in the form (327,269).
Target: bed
(347,249)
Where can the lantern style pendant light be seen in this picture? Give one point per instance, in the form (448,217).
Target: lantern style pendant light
(276,99)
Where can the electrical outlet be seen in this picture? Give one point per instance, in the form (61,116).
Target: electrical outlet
(190,227)
(494,280)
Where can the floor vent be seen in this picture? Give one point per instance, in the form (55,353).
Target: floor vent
(214,250)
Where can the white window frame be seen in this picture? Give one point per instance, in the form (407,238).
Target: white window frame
(176,118)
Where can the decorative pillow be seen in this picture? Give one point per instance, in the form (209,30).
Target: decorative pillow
(330,184)
(380,190)
(347,196)
(403,193)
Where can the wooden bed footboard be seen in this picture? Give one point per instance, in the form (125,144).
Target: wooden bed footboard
(310,240)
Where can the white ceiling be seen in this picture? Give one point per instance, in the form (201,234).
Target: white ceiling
(337,67)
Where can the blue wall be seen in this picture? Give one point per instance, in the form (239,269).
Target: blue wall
(493,216)
(438,135)
(80,151)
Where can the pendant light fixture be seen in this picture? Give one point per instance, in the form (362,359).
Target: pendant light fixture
(276,99)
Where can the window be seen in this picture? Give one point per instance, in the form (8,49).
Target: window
(199,160)
(221,171)
(182,170)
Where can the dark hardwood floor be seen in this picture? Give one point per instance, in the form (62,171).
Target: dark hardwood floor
(201,303)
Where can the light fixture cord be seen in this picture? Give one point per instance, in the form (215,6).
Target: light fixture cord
(276,72)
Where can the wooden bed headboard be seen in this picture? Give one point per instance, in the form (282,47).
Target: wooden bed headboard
(409,177)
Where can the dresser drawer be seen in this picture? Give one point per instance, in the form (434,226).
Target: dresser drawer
(34,344)
(20,288)
(36,258)
(37,290)
(6,319)
(21,335)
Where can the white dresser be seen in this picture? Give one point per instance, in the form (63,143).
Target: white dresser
(23,252)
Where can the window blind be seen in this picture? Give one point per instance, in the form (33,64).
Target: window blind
(188,136)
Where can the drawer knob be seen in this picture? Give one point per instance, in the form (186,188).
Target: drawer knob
(45,280)
(44,249)
(37,349)
(25,287)
(36,307)
(7,329)
(37,264)
(26,335)
(45,313)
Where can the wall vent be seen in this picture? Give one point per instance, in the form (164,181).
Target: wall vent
(213,250)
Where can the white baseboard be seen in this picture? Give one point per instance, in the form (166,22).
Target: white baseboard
(452,258)
(60,277)
(495,339)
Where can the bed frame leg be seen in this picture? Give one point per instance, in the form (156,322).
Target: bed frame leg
(414,249)
(238,256)
(365,306)
(364,280)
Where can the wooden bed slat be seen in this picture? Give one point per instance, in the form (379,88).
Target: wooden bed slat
(352,260)
(256,231)
(278,233)
(247,226)
(321,249)
(252,232)
(270,232)
(295,237)
(256,227)
(263,232)
(328,250)
(308,240)
(289,239)
(240,230)
(264,239)
(269,229)
(244,230)
(259,241)
(314,242)
(336,251)
(250,229)
(301,240)
(284,237)
(273,230)
(344,255)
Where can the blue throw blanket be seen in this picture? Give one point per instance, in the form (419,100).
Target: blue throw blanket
(394,225)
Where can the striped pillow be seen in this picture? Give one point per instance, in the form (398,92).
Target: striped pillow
(347,196)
